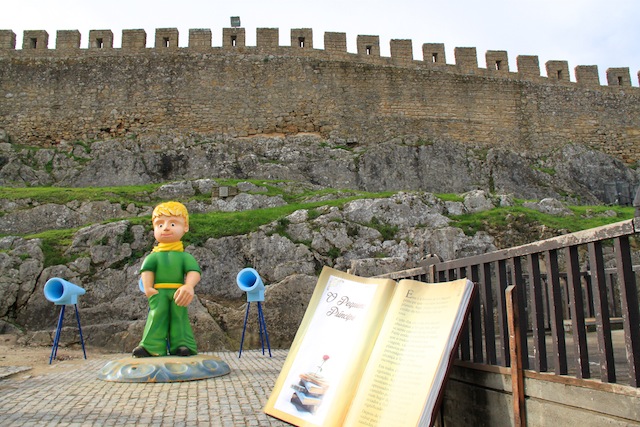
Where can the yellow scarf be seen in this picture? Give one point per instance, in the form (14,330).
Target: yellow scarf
(165,247)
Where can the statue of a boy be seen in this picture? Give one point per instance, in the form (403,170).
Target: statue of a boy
(169,276)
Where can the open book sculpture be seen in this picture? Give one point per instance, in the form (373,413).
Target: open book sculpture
(371,352)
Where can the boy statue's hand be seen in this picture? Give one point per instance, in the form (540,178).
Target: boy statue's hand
(183,295)
(150,292)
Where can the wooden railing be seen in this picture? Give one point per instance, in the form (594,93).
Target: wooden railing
(573,291)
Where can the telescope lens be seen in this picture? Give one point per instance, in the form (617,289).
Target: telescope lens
(247,278)
(54,289)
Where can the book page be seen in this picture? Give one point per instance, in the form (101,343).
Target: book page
(410,358)
(330,350)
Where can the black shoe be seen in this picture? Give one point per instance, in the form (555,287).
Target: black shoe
(183,351)
(140,351)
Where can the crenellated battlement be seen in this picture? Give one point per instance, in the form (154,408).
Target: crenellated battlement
(100,92)
(68,42)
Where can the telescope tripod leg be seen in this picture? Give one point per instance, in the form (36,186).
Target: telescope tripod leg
(260,326)
(56,339)
(246,316)
(80,330)
(263,327)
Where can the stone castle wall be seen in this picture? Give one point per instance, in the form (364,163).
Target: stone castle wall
(70,93)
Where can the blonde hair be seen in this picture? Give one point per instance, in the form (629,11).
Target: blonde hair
(171,209)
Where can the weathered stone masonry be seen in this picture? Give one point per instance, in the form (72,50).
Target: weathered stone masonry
(70,93)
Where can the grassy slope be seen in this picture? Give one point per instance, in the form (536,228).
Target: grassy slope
(219,224)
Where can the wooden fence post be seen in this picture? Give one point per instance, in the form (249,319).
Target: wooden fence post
(517,376)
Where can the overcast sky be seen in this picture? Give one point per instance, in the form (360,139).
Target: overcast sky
(605,33)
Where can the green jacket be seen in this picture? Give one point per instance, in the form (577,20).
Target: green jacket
(170,266)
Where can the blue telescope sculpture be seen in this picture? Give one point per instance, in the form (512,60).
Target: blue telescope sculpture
(249,281)
(63,293)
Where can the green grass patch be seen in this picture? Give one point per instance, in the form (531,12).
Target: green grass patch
(281,227)
(334,253)
(548,171)
(313,214)
(220,224)
(388,231)
(54,245)
(584,217)
(424,143)
(449,197)
(214,225)
(61,195)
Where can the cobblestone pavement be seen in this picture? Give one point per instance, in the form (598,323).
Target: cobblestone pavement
(76,397)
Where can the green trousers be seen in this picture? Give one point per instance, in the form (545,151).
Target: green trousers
(167,320)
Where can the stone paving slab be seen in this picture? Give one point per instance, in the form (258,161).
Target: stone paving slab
(76,397)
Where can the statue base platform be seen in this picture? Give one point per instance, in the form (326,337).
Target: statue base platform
(164,369)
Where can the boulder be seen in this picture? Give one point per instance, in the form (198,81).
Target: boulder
(549,206)
(477,201)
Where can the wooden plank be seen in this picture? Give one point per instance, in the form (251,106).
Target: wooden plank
(476,320)
(448,275)
(577,313)
(518,280)
(502,313)
(629,300)
(486,292)
(601,309)
(555,311)
(517,376)
(544,289)
(465,348)
(537,314)
(432,274)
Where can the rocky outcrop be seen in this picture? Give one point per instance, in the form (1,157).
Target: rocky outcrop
(367,236)
(570,172)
